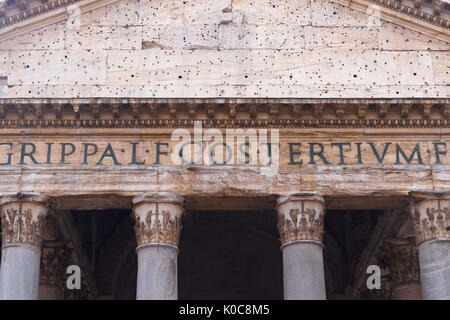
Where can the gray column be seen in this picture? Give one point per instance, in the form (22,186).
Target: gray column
(158,227)
(300,222)
(400,256)
(22,218)
(431,215)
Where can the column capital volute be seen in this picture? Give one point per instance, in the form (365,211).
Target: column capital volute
(23,218)
(417,196)
(24,197)
(162,197)
(299,196)
(400,255)
(300,217)
(430,211)
(157,218)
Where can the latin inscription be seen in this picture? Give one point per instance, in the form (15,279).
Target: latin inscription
(154,153)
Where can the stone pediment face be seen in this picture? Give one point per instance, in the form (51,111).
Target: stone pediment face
(428,16)
(225,48)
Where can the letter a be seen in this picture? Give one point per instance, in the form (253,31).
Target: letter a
(374,280)
(74,280)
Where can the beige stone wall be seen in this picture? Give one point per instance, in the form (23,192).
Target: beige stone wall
(224,48)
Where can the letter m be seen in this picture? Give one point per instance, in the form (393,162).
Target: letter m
(408,160)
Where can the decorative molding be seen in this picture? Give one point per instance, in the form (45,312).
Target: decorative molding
(225,123)
(415,18)
(23,219)
(50,232)
(223,101)
(300,217)
(55,258)
(431,215)
(49,12)
(400,256)
(158,219)
(156,113)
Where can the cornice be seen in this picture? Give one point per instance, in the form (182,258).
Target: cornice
(224,113)
(50,12)
(412,17)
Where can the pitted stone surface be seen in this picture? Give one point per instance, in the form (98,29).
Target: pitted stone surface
(51,38)
(4,63)
(164,277)
(226,48)
(441,68)
(104,37)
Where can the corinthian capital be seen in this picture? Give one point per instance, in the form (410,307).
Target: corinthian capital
(54,261)
(400,256)
(23,218)
(431,215)
(158,218)
(300,217)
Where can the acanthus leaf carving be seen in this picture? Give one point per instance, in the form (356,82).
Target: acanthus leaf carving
(158,226)
(301,224)
(400,256)
(20,225)
(432,221)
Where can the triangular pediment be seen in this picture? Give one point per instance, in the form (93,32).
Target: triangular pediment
(225,48)
(428,17)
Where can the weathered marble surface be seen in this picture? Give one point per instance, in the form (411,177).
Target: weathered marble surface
(19,273)
(434,258)
(157,273)
(303,271)
(226,48)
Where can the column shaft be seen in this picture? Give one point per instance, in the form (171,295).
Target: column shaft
(22,218)
(157,273)
(300,222)
(431,214)
(303,275)
(19,273)
(434,257)
(158,227)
